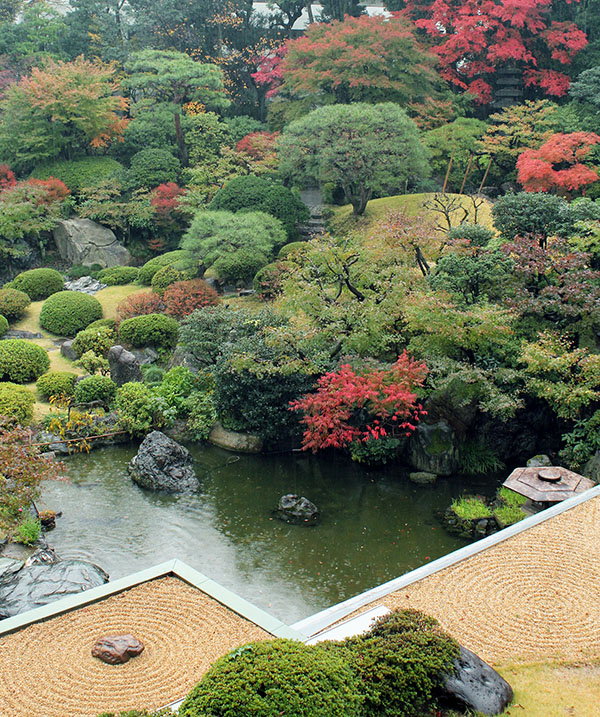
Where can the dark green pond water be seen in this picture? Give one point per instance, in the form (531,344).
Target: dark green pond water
(375,525)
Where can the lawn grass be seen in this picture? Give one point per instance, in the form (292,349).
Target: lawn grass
(344,222)
(544,690)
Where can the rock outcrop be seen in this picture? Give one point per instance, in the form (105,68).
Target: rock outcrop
(163,464)
(296,509)
(124,366)
(433,449)
(82,241)
(232,441)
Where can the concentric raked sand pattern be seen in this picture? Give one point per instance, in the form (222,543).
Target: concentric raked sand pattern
(533,597)
(46,669)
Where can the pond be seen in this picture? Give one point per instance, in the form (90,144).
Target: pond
(375,525)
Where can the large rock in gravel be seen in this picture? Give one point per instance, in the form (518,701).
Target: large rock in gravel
(124,366)
(476,686)
(163,464)
(117,649)
(29,587)
(82,241)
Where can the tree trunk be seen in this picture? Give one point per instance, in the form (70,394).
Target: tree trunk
(180,143)
(358,200)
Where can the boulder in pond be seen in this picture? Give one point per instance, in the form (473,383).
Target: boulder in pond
(422,478)
(476,686)
(433,449)
(163,464)
(82,241)
(124,366)
(297,509)
(233,441)
(38,585)
(117,649)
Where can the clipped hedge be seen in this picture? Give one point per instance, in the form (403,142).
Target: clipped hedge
(183,297)
(152,166)
(3,325)
(39,283)
(79,174)
(68,312)
(150,268)
(13,303)
(119,275)
(109,323)
(99,340)
(95,388)
(239,267)
(22,361)
(166,276)
(16,403)
(277,677)
(56,383)
(149,330)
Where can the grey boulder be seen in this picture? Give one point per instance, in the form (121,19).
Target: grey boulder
(163,464)
(297,509)
(432,449)
(124,366)
(476,686)
(37,585)
(82,241)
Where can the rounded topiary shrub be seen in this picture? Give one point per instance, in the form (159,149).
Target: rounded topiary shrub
(13,303)
(95,388)
(56,383)
(16,403)
(118,275)
(151,167)
(166,276)
(401,663)
(68,312)
(183,297)
(149,330)
(276,677)
(109,323)
(3,325)
(21,361)
(239,267)
(268,281)
(39,283)
(99,340)
(150,268)
(78,174)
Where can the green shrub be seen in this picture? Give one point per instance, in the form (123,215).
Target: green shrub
(39,283)
(239,267)
(375,452)
(79,270)
(118,275)
(16,403)
(109,323)
(28,531)
(13,303)
(202,414)
(56,383)
(152,373)
(95,388)
(91,363)
(477,458)
(3,325)
(477,234)
(176,386)
(149,330)
(97,340)
(294,247)
(276,677)
(164,277)
(471,508)
(267,281)
(258,194)
(21,361)
(153,265)
(241,126)
(139,409)
(151,167)
(401,663)
(68,312)
(78,174)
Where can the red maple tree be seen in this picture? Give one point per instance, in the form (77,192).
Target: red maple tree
(7,177)
(475,38)
(55,189)
(557,166)
(350,406)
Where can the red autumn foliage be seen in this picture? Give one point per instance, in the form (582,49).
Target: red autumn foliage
(55,189)
(165,197)
(258,145)
(7,177)
(183,297)
(475,38)
(269,72)
(350,406)
(139,304)
(557,166)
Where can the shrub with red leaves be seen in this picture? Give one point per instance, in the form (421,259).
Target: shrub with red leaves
(138,305)
(183,297)
(350,406)
(258,145)
(7,177)
(55,189)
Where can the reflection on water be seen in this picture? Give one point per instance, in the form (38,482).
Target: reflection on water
(375,525)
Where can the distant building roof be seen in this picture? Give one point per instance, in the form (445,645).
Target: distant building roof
(373,8)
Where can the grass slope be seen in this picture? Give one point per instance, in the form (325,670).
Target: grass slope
(344,222)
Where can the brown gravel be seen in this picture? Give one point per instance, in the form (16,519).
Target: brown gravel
(533,597)
(46,669)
